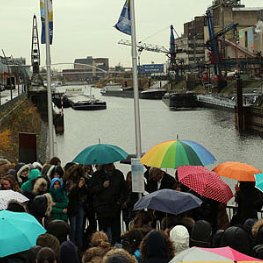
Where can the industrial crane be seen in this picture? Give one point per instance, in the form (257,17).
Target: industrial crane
(36,79)
(171,53)
(143,46)
(213,45)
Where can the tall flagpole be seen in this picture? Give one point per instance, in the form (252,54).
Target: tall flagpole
(135,83)
(49,95)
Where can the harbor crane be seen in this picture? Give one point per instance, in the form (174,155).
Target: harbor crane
(171,52)
(213,46)
(144,46)
(36,79)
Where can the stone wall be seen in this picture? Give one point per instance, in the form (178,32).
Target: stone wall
(20,115)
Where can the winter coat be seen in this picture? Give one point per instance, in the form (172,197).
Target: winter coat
(76,197)
(60,200)
(41,207)
(107,201)
(237,238)
(38,186)
(249,200)
(168,182)
(28,185)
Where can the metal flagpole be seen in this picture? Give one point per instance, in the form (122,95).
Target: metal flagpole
(49,95)
(135,83)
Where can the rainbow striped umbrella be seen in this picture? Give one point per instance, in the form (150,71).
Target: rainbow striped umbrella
(175,153)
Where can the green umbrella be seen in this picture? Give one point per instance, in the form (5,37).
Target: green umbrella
(100,154)
(18,232)
(259,181)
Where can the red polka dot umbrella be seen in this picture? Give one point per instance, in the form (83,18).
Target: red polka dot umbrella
(205,183)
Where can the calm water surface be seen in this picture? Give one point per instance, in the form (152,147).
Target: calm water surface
(214,129)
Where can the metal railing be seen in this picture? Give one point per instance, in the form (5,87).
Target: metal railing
(231,209)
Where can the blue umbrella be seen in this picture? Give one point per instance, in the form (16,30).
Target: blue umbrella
(100,154)
(18,232)
(168,201)
(259,181)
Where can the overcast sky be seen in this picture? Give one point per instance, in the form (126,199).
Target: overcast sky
(85,27)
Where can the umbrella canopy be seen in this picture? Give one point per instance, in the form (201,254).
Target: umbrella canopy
(175,153)
(8,195)
(128,159)
(236,170)
(230,253)
(100,154)
(259,181)
(205,183)
(18,232)
(168,201)
(198,254)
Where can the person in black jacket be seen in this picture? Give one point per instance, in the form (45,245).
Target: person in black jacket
(249,200)
(77,195)
(108,190)
(158,180)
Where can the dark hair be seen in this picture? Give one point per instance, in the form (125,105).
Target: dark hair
(55,161)
(46,255)
(156,244)
(57,169)
(14,206)
(131,240)
(48,240)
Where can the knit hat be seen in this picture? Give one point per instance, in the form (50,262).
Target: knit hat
(179,234)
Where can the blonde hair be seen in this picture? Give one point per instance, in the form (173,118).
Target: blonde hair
(121,254)
(93,255)
(100,239)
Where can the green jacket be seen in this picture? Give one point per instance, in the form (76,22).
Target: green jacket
(60,199)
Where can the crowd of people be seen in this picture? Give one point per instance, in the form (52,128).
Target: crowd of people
(80,206)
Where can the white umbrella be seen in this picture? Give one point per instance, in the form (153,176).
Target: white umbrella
(8,195)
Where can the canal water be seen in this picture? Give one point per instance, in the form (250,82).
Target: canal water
(214,129)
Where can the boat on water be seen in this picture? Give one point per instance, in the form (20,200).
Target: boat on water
(91,104)
(60,99)
(152,94)
(183,100)
(116,90)
(112,86)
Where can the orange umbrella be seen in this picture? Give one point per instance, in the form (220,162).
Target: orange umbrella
(236,170)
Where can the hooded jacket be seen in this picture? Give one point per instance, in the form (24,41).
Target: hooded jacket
(27,186)
(237,238)
(41,207)
(180,237)
(60,200)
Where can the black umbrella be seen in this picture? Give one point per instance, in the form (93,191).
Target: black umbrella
(168,201)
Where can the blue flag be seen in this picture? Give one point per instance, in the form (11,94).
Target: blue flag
(50,21)
(124,22)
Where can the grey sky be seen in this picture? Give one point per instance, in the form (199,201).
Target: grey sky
(85,27)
